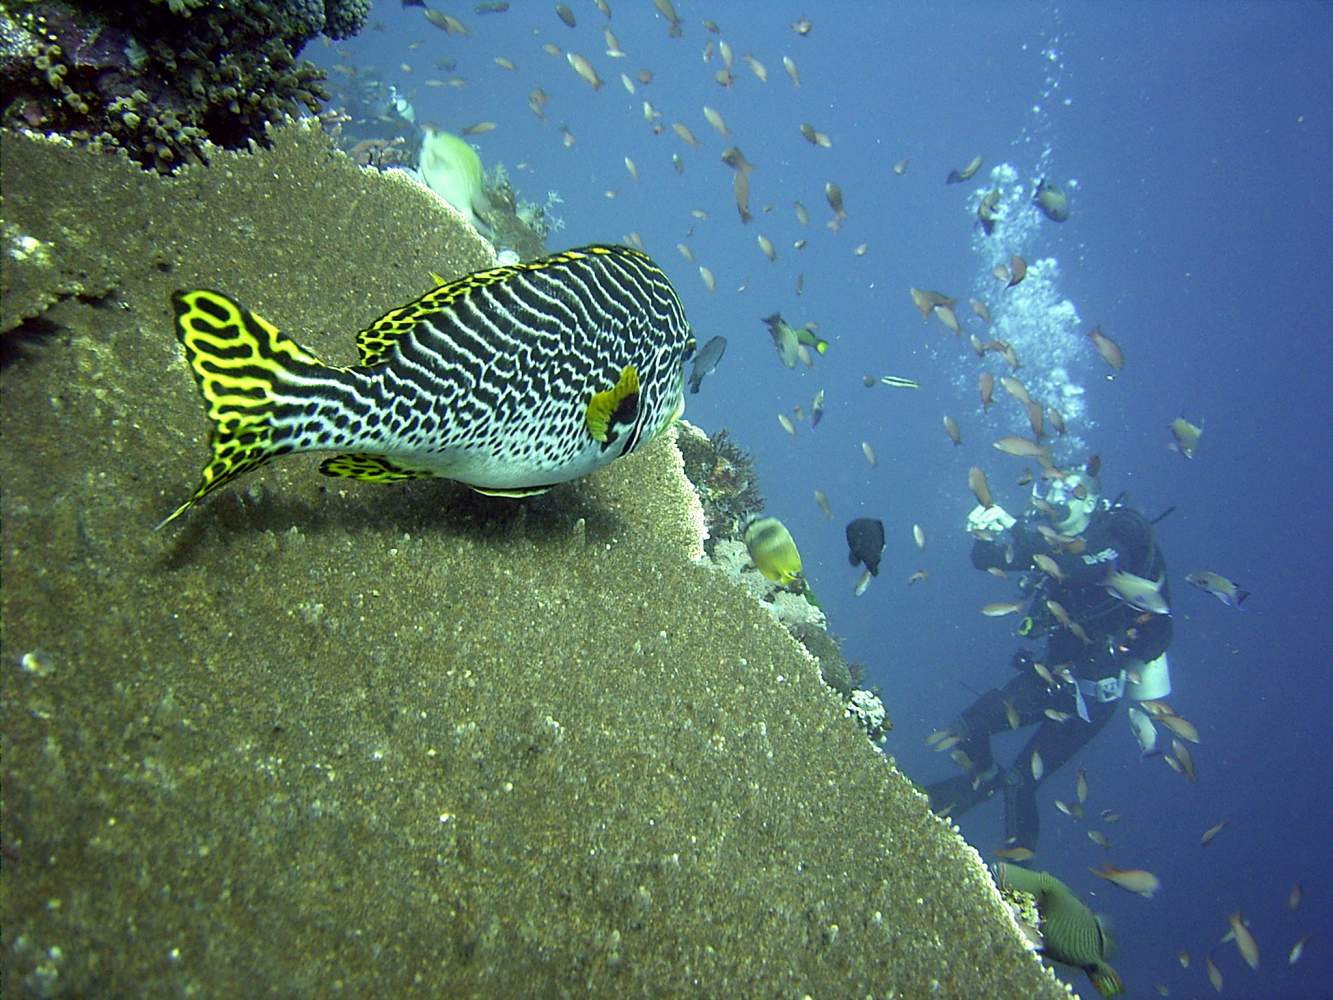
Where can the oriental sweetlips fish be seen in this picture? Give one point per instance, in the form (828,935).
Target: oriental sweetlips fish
(510,380)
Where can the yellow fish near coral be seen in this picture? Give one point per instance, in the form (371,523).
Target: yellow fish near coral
(773,550)
(452,169)
(510,380)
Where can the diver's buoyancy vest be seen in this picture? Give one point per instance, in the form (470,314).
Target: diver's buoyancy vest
(1111,521)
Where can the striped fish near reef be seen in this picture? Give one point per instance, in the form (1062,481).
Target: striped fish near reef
(1071,933)
(774,551)
(510,380)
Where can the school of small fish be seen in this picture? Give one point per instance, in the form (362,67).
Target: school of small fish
(754,188)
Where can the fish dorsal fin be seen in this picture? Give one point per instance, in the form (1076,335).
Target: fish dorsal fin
(619,404)
(370,468)
(375,342)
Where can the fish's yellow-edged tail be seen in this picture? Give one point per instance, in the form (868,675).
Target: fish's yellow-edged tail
(1106,980)
(239,360)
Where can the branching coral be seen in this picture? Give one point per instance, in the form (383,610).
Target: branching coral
(380,153)
(161,80)
(723,474)
(518,224)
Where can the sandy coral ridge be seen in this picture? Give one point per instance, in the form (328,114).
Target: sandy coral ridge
(395,740)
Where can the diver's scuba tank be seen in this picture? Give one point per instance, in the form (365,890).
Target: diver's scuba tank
(1154,679)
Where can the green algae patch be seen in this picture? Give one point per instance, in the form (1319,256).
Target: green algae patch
(330,737)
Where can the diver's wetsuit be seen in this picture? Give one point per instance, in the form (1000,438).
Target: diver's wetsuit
(1116,538)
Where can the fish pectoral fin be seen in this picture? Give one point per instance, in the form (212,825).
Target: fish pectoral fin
(516,492)
(370,468)
(618,405)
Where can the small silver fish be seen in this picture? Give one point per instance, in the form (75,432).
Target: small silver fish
(1138,592)
(1144,732)
(583,68)
(817,409)
(790,66)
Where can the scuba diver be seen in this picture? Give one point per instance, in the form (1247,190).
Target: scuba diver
(1092,572)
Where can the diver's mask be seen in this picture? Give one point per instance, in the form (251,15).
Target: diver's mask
(1068,501)
(401,106)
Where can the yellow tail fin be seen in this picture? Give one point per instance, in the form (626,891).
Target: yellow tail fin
(238,359)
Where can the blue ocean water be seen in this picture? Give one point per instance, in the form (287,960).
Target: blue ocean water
(1194,142)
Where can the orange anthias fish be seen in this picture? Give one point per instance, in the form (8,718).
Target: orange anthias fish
(1136,880)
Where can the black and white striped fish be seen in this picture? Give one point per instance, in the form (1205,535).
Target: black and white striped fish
(510,380)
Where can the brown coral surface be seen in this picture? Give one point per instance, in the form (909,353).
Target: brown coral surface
(334,738)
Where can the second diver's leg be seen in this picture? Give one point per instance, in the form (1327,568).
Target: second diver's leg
(1022,822)
(1053,745)
(988,715)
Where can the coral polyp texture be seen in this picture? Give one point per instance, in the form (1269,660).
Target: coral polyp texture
(162,80)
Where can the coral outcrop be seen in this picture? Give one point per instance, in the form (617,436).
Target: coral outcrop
(396,741)
(162,80)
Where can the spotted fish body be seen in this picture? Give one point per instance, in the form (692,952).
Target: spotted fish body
(510,380)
